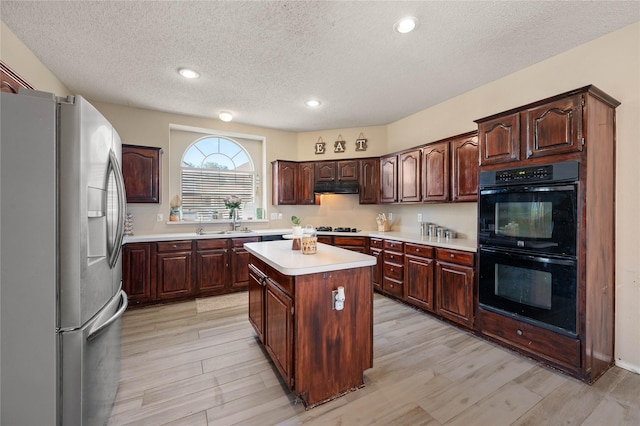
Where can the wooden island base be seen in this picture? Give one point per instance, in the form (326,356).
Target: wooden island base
(321,353)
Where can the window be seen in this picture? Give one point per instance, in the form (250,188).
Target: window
(213,168)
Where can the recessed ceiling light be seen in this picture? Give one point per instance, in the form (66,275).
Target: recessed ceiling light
(312,103)
(225,116)
(187,73)
(406,25)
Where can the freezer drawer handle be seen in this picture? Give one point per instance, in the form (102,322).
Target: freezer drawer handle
(125,302)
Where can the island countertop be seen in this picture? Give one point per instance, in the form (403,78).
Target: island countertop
(280,256)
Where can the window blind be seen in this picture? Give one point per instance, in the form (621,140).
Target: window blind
(204,190)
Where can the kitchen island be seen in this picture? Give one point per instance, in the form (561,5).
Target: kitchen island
(320,348)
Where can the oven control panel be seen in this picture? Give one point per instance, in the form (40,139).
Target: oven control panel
(555,172)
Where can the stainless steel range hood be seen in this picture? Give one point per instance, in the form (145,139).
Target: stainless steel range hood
(336,188)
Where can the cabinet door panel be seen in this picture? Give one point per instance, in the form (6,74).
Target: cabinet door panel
(284,175)
(464,176)
(173,275)
(409,181)
(141,173)
(376,272)
(306,179)
(555,128)
(325,171)
(454,293)
(499,140)
(211,268)
(369,181)
(279,330)
(136,272)
(240,262)
(388,179)
(435,172)
(419,282)
(256,300)
(347,170)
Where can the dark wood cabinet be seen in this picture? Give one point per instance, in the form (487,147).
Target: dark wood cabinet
(304,184)
(419,266)
(369,180)
(279,329)
(455,286)
(389,179)
(376,250)
(174,266)
(393,268)
(358,244)
(347,170)
(554,128)
(325,171)
(435,172)
(136,272)
(464,168)
(212,264)
(285,178)
(409,177)
(256,289)
(499,139)
(141,168)
(240,261)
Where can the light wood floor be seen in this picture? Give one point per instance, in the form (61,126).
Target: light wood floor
(181,367)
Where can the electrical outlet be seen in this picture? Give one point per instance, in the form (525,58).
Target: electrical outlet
(274,216)
(419,217)
(159,217)
(390,217)
(279,216)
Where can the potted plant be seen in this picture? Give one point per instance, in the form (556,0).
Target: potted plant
(297,228)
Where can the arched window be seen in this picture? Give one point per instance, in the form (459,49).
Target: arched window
(212,169)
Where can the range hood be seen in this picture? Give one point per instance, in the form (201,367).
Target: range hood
(336,187)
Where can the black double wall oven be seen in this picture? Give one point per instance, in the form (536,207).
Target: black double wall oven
(527,242)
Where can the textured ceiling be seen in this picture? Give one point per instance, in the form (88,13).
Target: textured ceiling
(262,59)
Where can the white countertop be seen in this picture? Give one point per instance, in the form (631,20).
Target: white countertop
(463,244)
(280,256)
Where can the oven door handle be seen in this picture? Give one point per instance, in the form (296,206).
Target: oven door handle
(531,257)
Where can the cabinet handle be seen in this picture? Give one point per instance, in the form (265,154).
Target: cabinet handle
(519,332)
(452,255)
(417,250)
(391,269)
(175,245)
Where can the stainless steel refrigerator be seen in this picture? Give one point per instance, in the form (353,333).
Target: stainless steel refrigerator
(61,226)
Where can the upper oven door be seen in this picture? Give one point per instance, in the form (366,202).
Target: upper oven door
(535,218)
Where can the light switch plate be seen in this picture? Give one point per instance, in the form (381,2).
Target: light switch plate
(159,217)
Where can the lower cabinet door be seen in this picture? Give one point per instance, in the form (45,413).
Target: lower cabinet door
(455,292)
(174,277)
(419,282)
(256,300)
(279,330)
(211,271)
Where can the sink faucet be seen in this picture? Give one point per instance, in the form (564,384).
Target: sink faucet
(235,225)
(200,229)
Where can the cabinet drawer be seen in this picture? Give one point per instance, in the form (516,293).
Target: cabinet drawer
(392,257)
(173,246)
(375,242)
(239,242)
(348,241)
(455,256)
(394,271)
(418,250)
(211,244)
(285,282)
(544,343)
(325,239)
(394,245)
(393,287)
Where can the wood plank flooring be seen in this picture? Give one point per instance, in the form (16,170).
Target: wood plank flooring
(184,367)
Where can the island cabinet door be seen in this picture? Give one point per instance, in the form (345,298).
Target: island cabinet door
(256,299)
(279,330)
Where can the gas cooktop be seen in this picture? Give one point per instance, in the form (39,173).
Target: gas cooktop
(336,229)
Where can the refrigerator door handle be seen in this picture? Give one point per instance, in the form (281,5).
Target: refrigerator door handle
(120,193)
(100,326)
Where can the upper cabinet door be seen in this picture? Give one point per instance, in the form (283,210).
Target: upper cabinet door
(500,139)
(388,179)
(369,180)
(325,171)
(347,170)
(141,172)
(464,173)
(555,128)
(306,173)
(435,172)
(409,176)
(283,185)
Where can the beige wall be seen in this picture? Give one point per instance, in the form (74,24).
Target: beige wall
(612,63)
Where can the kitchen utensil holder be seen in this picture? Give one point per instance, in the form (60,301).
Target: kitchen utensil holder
(384,227)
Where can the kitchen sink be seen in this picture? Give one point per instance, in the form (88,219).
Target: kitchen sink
(238,231)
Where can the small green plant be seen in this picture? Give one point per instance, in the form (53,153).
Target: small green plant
(296,220)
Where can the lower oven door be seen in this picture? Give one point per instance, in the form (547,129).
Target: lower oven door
(530,288)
